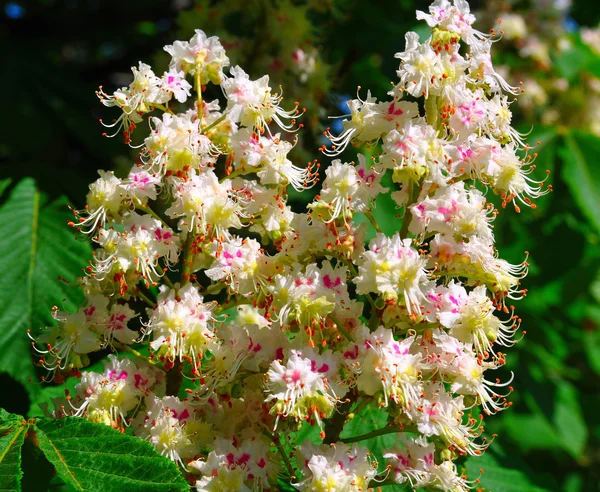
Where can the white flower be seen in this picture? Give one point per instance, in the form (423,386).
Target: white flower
(67,345)
(347,189)
(305,63)
(172,427)
(251,103)
(300,388)
(237,262)
(393,268)
(204,205)
(415,152)
(174,81)
(144,92)
(454,211)
(115,326)
(181,325)
(477,260)
(267,207)
(511,178)
(141,184)
(425,72)
(336,467)
(200,52)
(110,396)
(370,120)
(414,461)
(139,247)
(388,365)
(232,467)
(455,18)
(176,144)
(103,202)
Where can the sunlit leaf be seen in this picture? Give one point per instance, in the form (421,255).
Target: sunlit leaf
(87,454)
(37,249)
(12,434)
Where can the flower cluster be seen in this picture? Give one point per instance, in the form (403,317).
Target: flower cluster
(543,36)
(245,323)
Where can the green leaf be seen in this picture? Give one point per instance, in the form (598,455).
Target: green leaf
(309,433)
(94,457)
(540,433)
(571,62)
(577,59)
(369,419)
(500,473)
(36,247)
(573,483)
(568,420)
(385,212)
(591,345)
(12,435)
(582,174)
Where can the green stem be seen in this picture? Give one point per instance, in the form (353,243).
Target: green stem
(229,305)
(340,327)
(214,289)
(162,108)
(335,425)
(198,85)
(213,124)
(413,194)
(390,429)
(234,174)
(145,298)
(146,209)
(139,355)
(275,438)
(168,282)
(369,216)
(432,110)
(187,260)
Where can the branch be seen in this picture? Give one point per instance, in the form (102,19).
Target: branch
(390,429)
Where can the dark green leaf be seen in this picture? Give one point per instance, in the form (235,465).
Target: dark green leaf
(36,247)
(95,457)
(568,420)
(591,344)
(582,174)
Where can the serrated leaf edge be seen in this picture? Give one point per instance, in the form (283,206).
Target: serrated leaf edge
(10,444)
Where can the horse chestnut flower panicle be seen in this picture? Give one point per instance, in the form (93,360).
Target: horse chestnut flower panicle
(278,320)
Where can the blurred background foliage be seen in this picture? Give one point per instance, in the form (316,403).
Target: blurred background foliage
(58,51)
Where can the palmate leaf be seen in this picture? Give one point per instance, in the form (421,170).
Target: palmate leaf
(12,434)
(95,457)
(36,248)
